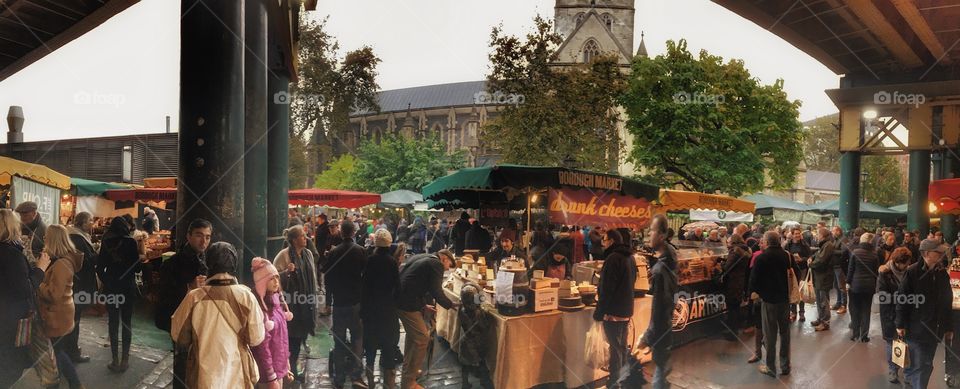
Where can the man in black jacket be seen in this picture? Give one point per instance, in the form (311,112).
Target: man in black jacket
(841,256)
(85,283)
(343,272)
(184,271)
(32,226)
(615,306)
(460,233)
(821,264)
(421,275)
(768,282)
(924,313)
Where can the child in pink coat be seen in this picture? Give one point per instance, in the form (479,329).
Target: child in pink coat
(273,354)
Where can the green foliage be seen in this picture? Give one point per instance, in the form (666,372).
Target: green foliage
(338,175)
(884,184)
(402,163)
(709,126)
(299,166)
(821,147)
(563,113)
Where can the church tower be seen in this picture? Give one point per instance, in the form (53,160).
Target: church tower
(592,27)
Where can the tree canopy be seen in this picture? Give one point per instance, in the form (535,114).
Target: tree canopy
(884,182)
(821,144)
(708,125)
(558,114)
(339,174)
(402,163)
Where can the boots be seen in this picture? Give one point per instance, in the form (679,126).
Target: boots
(389,377)
(114,365)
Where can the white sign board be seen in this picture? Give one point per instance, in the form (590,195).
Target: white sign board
(46,197)
(720,216)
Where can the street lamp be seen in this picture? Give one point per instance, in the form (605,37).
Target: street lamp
(863,195)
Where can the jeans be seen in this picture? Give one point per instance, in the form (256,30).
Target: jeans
(117,315)
(891,367)
(839,284)
(415,346)
(72,339)
(756,311)
(860,304)
(64,363)
(616,332)
(776,323)
(823,306)
(661,361)
(921,363)
(347,319)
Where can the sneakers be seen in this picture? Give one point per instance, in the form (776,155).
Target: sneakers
(842,310)
(822,327)
(766,370)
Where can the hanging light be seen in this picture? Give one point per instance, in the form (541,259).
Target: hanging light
(870,114)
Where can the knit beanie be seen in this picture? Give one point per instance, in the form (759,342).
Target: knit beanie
(382,238)
(263,272)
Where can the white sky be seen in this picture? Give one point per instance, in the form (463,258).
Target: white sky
(122,77)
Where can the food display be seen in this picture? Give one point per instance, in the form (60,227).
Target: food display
(954,269)
(157,244)
(697,262)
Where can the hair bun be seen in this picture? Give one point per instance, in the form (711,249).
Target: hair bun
(258,263)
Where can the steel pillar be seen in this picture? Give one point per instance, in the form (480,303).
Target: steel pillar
(255,134)
(278,144)
(918,217)
(210,172)
(849,190)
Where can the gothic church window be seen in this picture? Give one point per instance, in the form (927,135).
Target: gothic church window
(608,21)
(590,50)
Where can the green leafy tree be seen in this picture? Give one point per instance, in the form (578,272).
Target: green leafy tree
(821,144)
(402,163)
(883,184)
(560,114)
(298,165)
(338,174)
(709,126)
(328,89)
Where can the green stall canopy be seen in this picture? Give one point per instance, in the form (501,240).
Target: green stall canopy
(93,188)
(867,210)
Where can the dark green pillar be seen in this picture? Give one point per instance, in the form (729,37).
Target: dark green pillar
(948,223)
(849,190)
(255,134)
(210,172)
(278,144)
(918,217)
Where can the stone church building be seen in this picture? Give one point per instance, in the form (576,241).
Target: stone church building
(457,112)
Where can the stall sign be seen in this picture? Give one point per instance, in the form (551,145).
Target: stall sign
(696,307)
(494,213)
(720,216)
(46,197)
(590,180)
(586,207)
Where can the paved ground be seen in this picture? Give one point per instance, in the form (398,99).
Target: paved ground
(825,359)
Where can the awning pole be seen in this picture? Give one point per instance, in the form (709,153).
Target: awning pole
(530,242)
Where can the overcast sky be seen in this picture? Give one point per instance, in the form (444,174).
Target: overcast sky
(122,77)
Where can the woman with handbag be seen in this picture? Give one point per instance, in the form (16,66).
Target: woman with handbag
(18,281)
(117,265)
(60,261)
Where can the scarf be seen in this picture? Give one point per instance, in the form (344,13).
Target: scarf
(73,230)
(896,273)
(305,270)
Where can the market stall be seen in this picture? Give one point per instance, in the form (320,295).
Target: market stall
(881,215)
(331,198)
(23,181)
(777,209)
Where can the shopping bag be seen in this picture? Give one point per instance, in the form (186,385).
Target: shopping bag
(899,356)
(794,291)
(807,293)
(596,350)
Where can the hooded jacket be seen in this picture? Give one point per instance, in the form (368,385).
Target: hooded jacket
(460,233)
(119,260)
(617,277)
(273,354)
(478,238)
(86,279)
(862,270)
(56,295)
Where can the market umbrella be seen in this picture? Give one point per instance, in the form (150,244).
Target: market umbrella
(700,224)
(93,188)
(765,204)
(400,198)
(10,167)
(867,210)
(332,198)
(900,208)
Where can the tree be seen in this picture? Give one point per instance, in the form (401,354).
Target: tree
(339,174)
(557,114)
(402,163)
(709,126)
(883,184)
(328,89)
(299,166)
(821,147)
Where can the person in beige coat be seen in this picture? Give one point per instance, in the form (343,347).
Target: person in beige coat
(60,261)
(218,323)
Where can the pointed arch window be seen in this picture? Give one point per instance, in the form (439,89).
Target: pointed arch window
(608,21)
(590,50)
(578,19)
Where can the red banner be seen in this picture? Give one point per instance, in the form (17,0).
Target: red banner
(586,207)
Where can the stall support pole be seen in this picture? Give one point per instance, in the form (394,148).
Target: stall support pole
(255,135)
(849,213)
(530,242)
(918,217)
(278,142)
(210,171)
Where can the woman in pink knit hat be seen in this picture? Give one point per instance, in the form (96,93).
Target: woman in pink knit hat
(273,355)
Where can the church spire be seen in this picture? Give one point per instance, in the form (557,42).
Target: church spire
(642,50)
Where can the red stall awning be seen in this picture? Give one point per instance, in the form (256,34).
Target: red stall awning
(332,198)
(946,195)
(142,194)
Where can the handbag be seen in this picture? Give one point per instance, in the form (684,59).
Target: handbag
(899,354)
(807,293)
(792,289)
